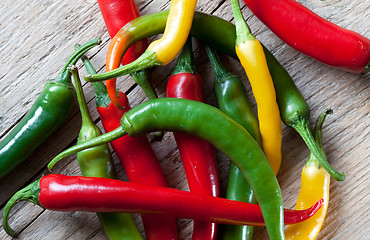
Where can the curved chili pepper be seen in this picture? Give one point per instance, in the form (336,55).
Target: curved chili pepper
(48,113)
(197,155)
(312,35)
(200,119)
(159,52)
(315,183)
(232,99)
(58,192)
(97,162)
(221,35)
(253,60)
(116,14)
(137,157)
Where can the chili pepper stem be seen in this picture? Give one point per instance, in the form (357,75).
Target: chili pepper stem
(146,60)
(101,96)
(219,70)
(312,161)
(318,127)
(185,61)
(243,32)
(102,139)
(75,56)
(142,78)
(29,193)
(86,119)
(303,128)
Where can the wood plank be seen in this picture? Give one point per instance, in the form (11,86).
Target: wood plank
(38,37)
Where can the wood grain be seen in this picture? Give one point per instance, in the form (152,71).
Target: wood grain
(38,36)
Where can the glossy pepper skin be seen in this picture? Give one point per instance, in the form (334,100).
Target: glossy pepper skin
(312,35)
(159,52)
(48,113)
(315,182)
(97,162)
(197,155)
(221,35)
(116,14)
(252,57)
(232,99)
(58,192)
(137,157)
(211,124)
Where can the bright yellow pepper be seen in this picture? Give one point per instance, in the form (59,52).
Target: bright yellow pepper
(252,58)
(315,181)
(177,29)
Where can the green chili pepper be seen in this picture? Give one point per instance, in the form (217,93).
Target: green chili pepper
(205,121)
(233,100)
(295,112)
(47,114)
(221,35)
(97,162)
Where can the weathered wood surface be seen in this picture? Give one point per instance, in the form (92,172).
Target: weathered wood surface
(38,36)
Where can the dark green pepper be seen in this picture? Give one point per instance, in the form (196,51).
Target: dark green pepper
(47,114)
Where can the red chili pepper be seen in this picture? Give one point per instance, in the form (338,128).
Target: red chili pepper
(312,35)
(197,155)
(58,192)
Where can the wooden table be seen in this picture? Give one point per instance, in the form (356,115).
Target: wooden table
(38,36)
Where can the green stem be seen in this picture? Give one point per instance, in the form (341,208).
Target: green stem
(86,118)
(146,60)
(185,61)
(142,78)
(29,193)
(243,32)
(102,139)
(303,128)
(101,94)
(312,160)
(63,76)
(318,128)
(221,73)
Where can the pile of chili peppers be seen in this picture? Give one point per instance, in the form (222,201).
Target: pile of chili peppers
(253,196)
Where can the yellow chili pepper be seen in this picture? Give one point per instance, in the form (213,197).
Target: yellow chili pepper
(314,185)
(177,29)
(163,50)
(252,58)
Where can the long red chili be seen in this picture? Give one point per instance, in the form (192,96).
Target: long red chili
(197,155)
(136,155)
(312,35)
(58,192)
